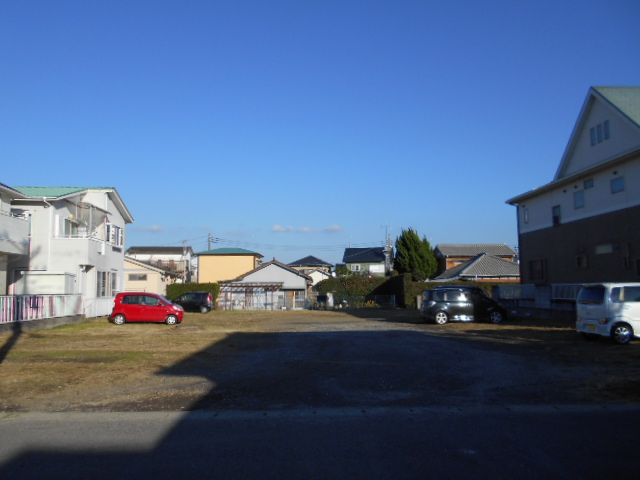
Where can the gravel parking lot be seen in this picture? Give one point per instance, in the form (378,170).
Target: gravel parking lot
(309,359)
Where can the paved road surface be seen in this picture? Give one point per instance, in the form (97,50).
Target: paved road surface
(549,442)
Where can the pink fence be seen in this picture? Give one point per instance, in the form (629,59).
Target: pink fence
(21,308)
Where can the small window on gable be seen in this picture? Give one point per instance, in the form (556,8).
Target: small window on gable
(525,215)
(600,133)
(588,183)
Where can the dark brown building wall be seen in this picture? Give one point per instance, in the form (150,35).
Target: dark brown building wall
(598,249)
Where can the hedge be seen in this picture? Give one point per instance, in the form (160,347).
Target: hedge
(404,289)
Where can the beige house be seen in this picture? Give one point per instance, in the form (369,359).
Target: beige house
(225,264)
(143,277)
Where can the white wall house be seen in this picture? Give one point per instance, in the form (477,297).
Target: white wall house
(14,234)
(271,286)
(583,225)
(75,244)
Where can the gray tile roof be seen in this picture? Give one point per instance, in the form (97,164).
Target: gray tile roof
(471,250)
(309,261)
(482,266)
(364,255)
(625,99)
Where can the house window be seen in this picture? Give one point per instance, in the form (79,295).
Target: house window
(588,183)
(106,284)
(578,199)
(70,228)
(537,270)
(555,214)
(115,235)
(582,261)
(525,215)
(355,267)
(617,185)
(138,277)
(600,133)
(604,249)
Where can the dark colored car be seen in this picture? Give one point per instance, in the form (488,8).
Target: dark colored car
(460,304)
(195,301)
(145,307)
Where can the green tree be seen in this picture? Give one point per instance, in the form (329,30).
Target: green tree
(414,256)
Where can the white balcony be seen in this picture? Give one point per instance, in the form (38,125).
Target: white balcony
(14,235)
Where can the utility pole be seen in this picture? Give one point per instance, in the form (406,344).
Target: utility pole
(210,241)
(387,250)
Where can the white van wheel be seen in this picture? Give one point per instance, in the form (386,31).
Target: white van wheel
(622,333)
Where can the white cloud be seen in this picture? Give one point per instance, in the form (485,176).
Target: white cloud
(330,229)
(280,228)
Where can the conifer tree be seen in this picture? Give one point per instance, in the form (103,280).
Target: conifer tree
(414,256)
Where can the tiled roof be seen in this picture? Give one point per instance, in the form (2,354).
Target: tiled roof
(309,261)
(482,266)
(471,250)
(229,251)
(364,255)
(55,192)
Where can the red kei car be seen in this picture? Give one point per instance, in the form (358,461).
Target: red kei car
(145,307)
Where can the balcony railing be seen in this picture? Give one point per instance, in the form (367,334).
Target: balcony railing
(14,234)
(21,308)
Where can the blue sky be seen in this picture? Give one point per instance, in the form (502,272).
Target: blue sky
(295,128)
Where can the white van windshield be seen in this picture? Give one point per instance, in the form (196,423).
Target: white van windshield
(591,295)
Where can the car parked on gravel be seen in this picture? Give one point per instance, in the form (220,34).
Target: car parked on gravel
(609,310)
(195,301)
(460,304)
(145,307)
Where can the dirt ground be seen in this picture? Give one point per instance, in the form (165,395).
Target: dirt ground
(98,366)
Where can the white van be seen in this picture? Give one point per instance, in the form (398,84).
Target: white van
(609,310)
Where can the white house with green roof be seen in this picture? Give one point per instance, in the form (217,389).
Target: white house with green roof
(75,244)
(583,225)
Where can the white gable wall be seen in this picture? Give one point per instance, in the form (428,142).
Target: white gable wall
(581,155)
(275,273)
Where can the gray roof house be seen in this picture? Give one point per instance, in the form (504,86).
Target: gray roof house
(310,263)
(483,268)
(367,261)
(450,255)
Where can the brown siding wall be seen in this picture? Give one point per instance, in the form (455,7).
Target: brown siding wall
(616,235)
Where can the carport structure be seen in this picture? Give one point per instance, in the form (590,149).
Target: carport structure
(251,296)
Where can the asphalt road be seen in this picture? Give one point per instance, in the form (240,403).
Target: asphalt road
(371,400)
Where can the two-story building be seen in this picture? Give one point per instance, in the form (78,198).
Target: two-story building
(75,243)
(222,264)
(373,261)
(14,234)
(583,225)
